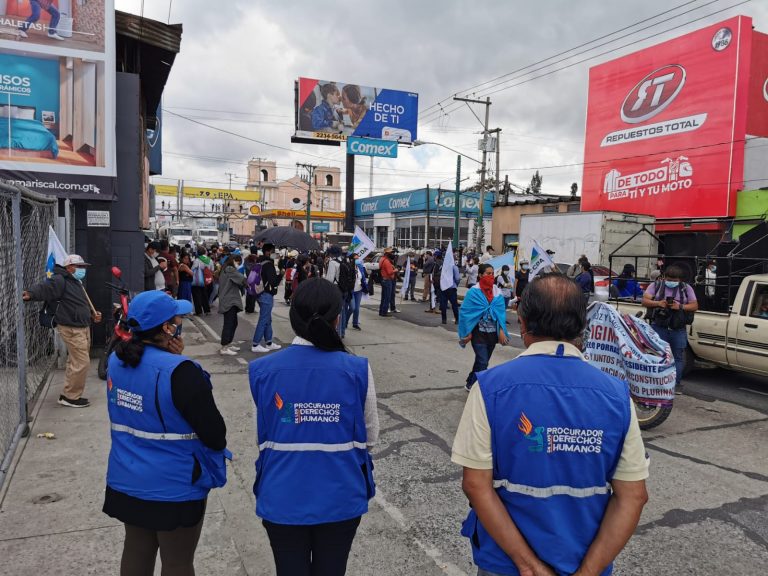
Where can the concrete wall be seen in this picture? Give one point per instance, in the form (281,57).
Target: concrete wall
(506,219)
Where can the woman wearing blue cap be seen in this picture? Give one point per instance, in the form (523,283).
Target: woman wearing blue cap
(316,419)
(168,440)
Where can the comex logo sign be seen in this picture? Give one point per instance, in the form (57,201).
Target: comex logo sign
(370,147)
(653,94)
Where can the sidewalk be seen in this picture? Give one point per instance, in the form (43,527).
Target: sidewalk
(50,510)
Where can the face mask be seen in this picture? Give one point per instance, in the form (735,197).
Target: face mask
(176,331)
(713,268)
(669,284)
(79,273)
(525,266)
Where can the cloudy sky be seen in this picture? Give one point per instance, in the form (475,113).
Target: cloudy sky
(240,58)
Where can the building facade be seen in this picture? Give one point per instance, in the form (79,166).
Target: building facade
(422,218)
(284,202)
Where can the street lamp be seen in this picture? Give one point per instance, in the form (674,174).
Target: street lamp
(458,184)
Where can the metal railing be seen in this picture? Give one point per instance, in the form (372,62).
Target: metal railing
(27,351)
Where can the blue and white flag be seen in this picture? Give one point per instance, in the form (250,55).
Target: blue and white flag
(361,244)
(447,279)
(505,259)
(56,252)
(540,260)
(406,278)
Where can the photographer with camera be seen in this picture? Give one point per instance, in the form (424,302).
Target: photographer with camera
(671,304)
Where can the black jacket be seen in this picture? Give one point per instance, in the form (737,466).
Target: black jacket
(269,275)
(74,309)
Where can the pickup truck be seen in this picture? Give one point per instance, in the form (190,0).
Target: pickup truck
(737,340)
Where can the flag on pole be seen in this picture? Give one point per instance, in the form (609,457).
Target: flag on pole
(361,244)
(507,258)
(446,276)
(56,252)
(539,260)
(406,278)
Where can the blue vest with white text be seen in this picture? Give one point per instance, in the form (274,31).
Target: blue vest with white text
(558,426)
(155,453)
(313,465)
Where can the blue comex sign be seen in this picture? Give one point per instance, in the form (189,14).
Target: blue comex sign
(416,201)
(321,226)
(371,147)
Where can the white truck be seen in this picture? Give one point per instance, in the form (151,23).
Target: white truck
(176,233)
(595,234)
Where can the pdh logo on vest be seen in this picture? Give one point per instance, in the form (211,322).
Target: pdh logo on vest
(300,412)
(535,435)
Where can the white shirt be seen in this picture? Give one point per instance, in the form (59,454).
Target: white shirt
(370,410)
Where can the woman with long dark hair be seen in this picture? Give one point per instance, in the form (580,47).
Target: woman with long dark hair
(168,440)
(185,277)
(316,418)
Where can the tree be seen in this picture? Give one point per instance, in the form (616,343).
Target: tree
(574,189)
(536,180)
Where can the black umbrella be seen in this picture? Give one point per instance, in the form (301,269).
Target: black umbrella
(288,237)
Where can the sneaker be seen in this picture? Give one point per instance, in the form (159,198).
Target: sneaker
(273,346)
(467,387)
(54,36)
(227,352)
(259,348)
(395,311)
(23,33)
(79,403)
(356,327)
(233,347)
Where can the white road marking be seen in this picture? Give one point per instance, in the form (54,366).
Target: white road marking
(396,514)
(208,329)
(754,391)
(242,361)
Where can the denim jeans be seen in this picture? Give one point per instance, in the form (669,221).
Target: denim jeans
(387,290)
(346,312)
(264,325)
(357,297)
(482,358)
(678,341)
(35,16)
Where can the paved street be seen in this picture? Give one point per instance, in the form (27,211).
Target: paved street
(708,512)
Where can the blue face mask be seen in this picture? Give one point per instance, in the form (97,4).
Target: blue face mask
(79,273)
(669,284)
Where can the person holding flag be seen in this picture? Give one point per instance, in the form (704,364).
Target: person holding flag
(483,321)
(449,282)
(72,314)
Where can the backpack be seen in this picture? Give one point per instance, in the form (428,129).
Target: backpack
(207,276)
(667,318)
(347,276)
(255,283)
(198,275)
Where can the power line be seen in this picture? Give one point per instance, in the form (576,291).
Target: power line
(453,109)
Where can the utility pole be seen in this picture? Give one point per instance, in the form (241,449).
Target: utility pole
(456,228)
(483,169)
(439,226)
(310,177)
(426,242)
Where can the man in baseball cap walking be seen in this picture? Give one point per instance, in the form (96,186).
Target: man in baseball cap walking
(65,294)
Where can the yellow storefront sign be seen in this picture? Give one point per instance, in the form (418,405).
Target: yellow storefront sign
(302,214)
(209,193)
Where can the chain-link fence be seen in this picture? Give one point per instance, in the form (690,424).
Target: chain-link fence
(26,348)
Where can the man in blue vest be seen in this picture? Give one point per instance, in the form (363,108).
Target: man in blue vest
(561,487)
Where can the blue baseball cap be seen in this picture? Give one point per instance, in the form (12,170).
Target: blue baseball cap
(150,309)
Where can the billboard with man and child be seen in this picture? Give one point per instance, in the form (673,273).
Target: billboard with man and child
(334,111)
